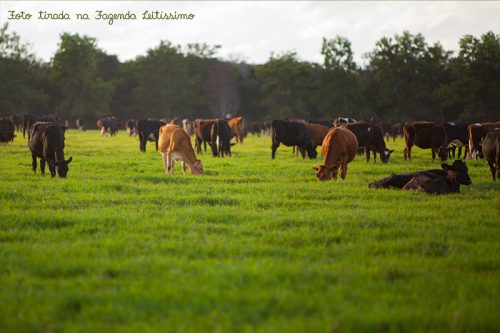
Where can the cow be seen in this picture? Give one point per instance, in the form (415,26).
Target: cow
(237,126)
(7,129)
(491,151)
(108,125)
(339,148)
(425,134)
(30,119)
(456,134)
(437,181)
(80,124)
(46,141)
(202,129)
(220,138)
(342,120)
(148,131)
(477,132)
(131,127)
(291,133)
(187,126)
(371,138)
(175,145)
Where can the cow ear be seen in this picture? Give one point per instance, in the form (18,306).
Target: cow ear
(69,160)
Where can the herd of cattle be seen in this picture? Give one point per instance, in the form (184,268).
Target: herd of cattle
(340,140)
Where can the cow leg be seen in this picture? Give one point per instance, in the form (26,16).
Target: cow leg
(343,166)
(433,154)
(42,166)
(205,146)
(183,167)
(367,153)
(302,152)
(198,144)
(374,156)
(274,147)
(459,152)
(52,169)
(165,162)
(33,163)
(492,170)
(172,164)
(141,136)
(156,144)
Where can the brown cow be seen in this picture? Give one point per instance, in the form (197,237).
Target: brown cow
(477,132)
(175,145)
(425,134)
(202,129)
(237,128)
(339,148)
(317,133)
(491,151)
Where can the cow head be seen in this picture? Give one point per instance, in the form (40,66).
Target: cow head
(443,153)
(324,172)
(62,167)
(385,154)
(197,168)
(458,171)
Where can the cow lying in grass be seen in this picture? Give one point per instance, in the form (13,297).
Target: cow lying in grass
(447,180)
(175,145)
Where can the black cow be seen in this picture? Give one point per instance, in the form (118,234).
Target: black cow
(425,134)
(436,181)
(292,133)
(7,129)
(80,124)
(47,143)
(220,138)
(131,127)
(491,151)
(30,119)
(149,130)
(456,133)
(371,138)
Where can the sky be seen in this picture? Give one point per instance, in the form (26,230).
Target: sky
(252,30)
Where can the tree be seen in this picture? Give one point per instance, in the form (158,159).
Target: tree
(222,90)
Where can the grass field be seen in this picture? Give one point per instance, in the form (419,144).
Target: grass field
(254,245)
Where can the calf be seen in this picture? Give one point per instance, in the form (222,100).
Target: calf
(148,131)
(202,129)
(491,151)
(478,132)
(220,137)
(339,148)
(237,126)
(424,134)
(47,143)
(7,129)
(291,133)
(444,181)
(371,138)
(175,145)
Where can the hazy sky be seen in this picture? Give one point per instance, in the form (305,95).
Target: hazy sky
(251,30)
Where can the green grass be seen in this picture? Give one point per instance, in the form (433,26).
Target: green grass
(254,245)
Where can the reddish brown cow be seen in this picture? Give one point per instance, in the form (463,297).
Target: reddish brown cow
(339,148)
(425,134)
(202,128)
(237,126)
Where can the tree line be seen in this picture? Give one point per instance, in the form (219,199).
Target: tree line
(405,78)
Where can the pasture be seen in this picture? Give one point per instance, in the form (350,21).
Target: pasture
(254,245)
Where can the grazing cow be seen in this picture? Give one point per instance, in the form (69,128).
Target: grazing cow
(342,120)
(202,129)
(477,132)
(220,138)
(491,151)
(456,133)
(187,126)
(339,148)
(436,181)
(292,133)
(131,127)
(7,130)
(371,138)
(175,145)
(148,131)
(47,143)
(425,134)
(237,126)
(80,124)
